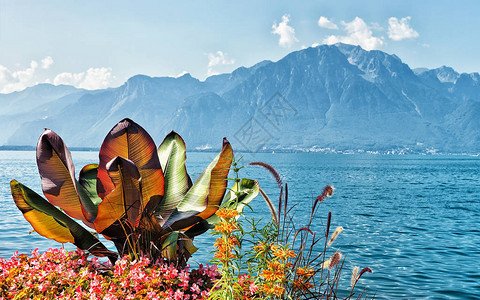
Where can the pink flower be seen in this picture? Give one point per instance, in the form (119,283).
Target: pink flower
(178,295)
(195,288)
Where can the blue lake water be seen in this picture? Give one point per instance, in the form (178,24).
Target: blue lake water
(414,220)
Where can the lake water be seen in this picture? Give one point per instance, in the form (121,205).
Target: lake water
(414,220)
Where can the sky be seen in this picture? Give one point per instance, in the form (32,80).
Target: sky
(100,44)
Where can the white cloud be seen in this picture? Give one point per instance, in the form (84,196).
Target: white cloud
(285,31)
(400,30)
(47,62)
(358,33)
(218,59)
(324,22)
(92,79)
(11,81)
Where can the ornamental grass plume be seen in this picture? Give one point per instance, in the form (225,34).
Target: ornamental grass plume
(335,235)
(332,261)
(271,169)
(327,192)
(353,280)
(356,277)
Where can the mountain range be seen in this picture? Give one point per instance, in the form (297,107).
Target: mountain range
(325,98)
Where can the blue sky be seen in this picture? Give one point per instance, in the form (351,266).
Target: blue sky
(98,44)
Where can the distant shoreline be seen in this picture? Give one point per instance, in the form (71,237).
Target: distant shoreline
(33,148)
(273,151)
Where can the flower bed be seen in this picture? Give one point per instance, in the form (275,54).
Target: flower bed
(61,274)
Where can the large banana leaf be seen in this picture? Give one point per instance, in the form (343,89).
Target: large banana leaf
(218,182)
(129,140)
(125,201)
(203,198)
(50,222)
(56,169)
(172,158)
(87,190)
(248,189)
(87,179)
(177,246)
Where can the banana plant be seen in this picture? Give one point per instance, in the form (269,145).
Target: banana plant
(139,197)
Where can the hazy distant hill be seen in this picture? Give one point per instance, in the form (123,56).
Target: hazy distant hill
(341,97)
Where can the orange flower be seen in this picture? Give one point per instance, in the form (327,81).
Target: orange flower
(261,248)
(233,241)
(305,272)
(273,265)
(274,247)
(300,271)
(272,290)
(225,227)
(224,256)
(221,245)
(275,272)
(300,284)
(282,253)
(273,275)
(226,214)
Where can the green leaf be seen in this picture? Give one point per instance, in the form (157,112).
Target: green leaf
(204,197)
(177,246)
(172,158)
(50,222)
(87,190)
(248,191)
(87,179)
